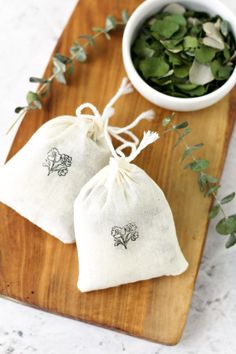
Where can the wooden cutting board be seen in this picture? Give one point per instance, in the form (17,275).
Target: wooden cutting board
(38,270)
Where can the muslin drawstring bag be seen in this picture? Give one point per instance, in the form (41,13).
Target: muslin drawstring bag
(43,179)
(124,226)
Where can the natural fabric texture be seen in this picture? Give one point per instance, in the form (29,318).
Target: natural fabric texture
(43,179)
(124,227)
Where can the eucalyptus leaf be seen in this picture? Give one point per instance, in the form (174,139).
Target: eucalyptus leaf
(211,179)
(142,49)
(181,125)
(231,241)
(58,65)
(78,52)
(212,190)
(63,59)
(228,198)
(31,97)
(198,165)
(124,16)
(190,42)
(210,42)
(38,80)
(181,71)
(205,54)
(200,74)
(110,23)
(19,109)
(182,136)
(214,211)
(173,46)
(220,72)
(224,27)
(165,28)
(174,8)
(166,121)
(213,32)
(226,226)
(59,76)
(177,18)
(154,67)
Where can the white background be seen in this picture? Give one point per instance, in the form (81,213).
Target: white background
(29,29)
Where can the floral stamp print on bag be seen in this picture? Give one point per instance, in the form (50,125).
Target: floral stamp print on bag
(56,162)
(122,235)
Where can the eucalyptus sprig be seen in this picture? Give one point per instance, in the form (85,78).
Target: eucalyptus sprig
(209,185)
(63,66)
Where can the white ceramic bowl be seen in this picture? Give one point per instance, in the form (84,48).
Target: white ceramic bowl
(149,8)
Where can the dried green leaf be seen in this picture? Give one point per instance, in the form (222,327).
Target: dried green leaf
(58,66)
(190,42)
(210,42)
(154,67)
(227,226)
(31,97)
(198,165)
(220,72)
(38,80)
(200,74)
(58,71)
(212,190)
(174,59)
(78,52)
(166,121)
(211,179)
(214,211)
(181,71)
(213,32)
(19,109)
(124,16)
(231,241)
(165,28)
(174,8)
(177,18)
(172,45)
(63,59)
(205,54)
(224,27)
(181,137)
(228,198)
(142,49)
(110,23)
(181,125)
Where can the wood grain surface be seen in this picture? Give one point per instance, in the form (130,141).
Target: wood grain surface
(41,271)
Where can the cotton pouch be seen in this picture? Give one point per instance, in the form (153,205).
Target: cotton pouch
(124,226)
(43,179)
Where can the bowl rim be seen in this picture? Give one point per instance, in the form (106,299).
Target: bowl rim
(126,46)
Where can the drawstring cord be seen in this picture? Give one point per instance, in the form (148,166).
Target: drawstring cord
(115,132)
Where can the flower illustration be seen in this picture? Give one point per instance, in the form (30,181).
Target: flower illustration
(122,235)
(56,162)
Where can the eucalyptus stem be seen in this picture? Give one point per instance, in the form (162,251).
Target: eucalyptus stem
(64,65)
(209,185)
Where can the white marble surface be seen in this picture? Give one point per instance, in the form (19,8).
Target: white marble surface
(29,30)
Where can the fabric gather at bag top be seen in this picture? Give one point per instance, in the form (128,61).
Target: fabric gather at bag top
(43,179)
(124,226)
